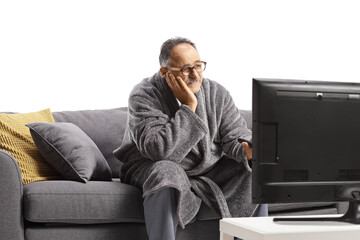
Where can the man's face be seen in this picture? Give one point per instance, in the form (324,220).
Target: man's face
(183,55)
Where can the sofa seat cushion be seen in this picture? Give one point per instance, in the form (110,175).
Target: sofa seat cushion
(80,203)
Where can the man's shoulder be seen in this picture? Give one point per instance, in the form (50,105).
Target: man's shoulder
(147,85)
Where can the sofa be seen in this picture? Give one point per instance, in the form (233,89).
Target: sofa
(109,210)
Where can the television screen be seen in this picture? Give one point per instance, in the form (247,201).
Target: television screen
(306,141)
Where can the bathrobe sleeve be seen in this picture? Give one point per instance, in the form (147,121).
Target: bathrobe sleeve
(157,135)
(232,127)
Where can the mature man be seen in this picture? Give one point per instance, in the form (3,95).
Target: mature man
(181,144)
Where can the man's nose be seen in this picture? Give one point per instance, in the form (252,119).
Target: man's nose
(194,74)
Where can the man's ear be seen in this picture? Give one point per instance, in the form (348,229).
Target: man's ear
(163,71)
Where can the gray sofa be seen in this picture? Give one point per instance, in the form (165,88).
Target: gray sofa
(96,210)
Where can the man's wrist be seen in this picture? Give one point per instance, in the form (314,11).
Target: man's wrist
(192,106)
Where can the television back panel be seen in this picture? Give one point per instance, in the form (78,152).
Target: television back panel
(306,139)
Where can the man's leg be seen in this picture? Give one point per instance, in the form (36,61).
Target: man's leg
(261,211)
(160,214)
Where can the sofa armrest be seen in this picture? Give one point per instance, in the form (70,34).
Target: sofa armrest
(11,198)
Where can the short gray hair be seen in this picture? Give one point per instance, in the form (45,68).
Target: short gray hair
(167,46)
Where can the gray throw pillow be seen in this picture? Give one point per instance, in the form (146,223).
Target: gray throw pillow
(106,127)
(70,151)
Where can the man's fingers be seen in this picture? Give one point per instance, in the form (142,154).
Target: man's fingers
(248,150)
(171,81)
(174,81)
(181,83)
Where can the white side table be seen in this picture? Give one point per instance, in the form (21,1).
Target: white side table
(263,228)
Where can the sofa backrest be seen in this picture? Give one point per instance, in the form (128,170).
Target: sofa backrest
(247,115)
(105,127)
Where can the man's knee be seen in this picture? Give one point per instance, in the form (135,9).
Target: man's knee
(166,173)
(165,195)
(168,165)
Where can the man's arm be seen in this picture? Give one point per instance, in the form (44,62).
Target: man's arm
(232,127)
(157,136)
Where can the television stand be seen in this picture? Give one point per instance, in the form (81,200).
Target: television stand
(351,216)
(260,228)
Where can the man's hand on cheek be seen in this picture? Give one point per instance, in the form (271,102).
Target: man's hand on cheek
(181,91)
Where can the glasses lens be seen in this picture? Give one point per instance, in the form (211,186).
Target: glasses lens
(200,67)
(186,71)
(203,66)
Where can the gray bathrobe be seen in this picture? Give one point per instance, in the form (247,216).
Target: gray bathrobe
(167,145)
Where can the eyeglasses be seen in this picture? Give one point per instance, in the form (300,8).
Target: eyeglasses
(199,67)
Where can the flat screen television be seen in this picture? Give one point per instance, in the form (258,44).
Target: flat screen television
(306,143)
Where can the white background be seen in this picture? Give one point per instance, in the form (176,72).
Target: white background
(88,54)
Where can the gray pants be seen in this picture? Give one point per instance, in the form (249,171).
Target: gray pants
(160,214)
(261,211)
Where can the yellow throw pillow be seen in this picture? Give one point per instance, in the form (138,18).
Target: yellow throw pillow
(15,138)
